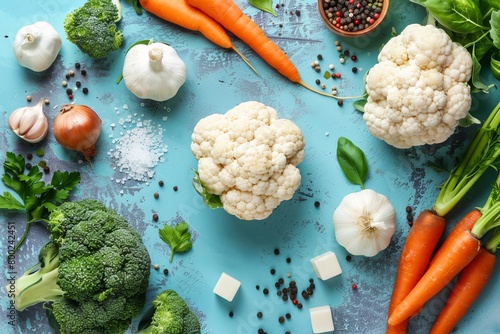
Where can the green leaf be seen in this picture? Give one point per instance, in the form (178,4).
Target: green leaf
(211,200)
(495,28)
(8,202)
(352,161)
(177,237)
(476,81)
(468,121)
(264,5)
(359,105)
(495,65)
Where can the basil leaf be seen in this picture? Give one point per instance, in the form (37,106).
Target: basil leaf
(352,161)
(495,65)
(495,28)
(468,121)
(359,105)
(264,5)
(462,16)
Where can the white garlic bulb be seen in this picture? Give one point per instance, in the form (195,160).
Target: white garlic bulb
(153,71)
(364,222)
(29,123)
(36,46)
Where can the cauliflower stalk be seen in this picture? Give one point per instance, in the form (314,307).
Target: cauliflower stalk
(248,157)
(418,92)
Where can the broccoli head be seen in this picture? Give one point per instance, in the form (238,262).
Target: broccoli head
(93,274)
(92,28)
(170,314)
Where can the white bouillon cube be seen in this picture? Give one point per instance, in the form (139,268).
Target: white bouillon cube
(326,265)
(227,287)
(321,319)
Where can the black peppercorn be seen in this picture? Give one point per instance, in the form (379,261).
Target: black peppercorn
(85,90)
(83,72)
(160,183)
(165,271)
(176,188)
(155,217)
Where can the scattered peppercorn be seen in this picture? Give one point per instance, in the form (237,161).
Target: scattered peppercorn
(231,314)
(265,291)
(281,319)
(257,287)
(354,58)
(85,90)
(276,251)
(409,209)
(69,91)
(175,188)
(40,152)
(346,53)
(288,260)
(409,217)
(348,258)
(318,81)
(28,98)
(320,56)
(46,169)
(288,316)
(71,73)
(155,217)
(83,72)
(67,76)
(297,12)
(354,70)
(340,102)
(161,183)
(28,166)
(259,315)
(78,84)
(70,96)
(156,195)
(165,271)
(354,286)
(316,204)
(156,266)
(272,271)
(299,305)
(64,83)
(77,65)
(47,101)
(29,156)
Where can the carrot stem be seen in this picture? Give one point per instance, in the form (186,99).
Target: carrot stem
(482,153)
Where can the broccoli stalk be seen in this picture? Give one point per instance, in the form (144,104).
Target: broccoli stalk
(39,283)
(92,28)
(169,314)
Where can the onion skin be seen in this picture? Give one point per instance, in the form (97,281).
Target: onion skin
(77,127)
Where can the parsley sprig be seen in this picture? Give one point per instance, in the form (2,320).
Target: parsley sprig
(34,197)
(177,237)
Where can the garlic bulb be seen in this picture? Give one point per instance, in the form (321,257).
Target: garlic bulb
(364,222)
(36,46)
(29,123)
(153,71)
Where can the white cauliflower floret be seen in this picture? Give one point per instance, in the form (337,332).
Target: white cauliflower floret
(418,92)
(248,157)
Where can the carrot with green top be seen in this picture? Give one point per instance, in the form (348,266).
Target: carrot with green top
(180,13)
(231,17)
(481,154)
(460,249)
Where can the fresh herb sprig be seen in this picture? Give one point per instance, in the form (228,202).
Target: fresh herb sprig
(210,200)
(352,161)
(35,197)
(177,237)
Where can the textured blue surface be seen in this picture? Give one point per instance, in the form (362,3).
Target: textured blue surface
(217,81)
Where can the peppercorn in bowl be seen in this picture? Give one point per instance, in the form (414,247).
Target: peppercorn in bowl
(353,18)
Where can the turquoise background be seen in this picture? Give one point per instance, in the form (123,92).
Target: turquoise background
(217,80)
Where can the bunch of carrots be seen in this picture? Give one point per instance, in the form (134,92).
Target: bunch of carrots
(213,17)
(421,275)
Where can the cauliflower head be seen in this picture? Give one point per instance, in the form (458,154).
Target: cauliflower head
(248,157)
(418,92)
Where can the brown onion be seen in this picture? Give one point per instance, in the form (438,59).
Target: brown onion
(77,127)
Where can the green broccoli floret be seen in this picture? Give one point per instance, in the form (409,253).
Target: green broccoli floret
(92,275)
(93,29)
(170,314)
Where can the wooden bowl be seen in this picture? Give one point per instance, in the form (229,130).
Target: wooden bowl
(330,22)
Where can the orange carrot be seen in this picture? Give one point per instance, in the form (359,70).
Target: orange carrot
(180,13)
(471,282)
(414,259)
(466,223)
(230,16)
(460,251)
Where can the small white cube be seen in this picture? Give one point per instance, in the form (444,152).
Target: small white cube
(227,287)
(326,265)
(321,319)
